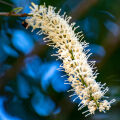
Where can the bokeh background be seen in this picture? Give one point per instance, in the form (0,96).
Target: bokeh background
(31,87)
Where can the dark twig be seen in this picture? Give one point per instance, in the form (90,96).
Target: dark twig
(14,14)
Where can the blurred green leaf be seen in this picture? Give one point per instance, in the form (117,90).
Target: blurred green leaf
(17,10)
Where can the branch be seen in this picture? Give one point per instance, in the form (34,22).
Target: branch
(14,14)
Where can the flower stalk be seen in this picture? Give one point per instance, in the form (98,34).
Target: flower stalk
(12,14)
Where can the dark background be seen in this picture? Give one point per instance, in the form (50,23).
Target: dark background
(30,86)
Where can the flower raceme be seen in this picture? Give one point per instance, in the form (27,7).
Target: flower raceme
(81,75)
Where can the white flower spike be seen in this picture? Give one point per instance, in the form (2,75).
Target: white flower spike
(61,35)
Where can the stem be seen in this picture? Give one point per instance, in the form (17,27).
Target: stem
(14,14)
(72,57)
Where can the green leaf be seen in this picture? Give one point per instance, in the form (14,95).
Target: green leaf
(17,10)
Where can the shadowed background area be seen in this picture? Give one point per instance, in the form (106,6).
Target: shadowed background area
(31,87)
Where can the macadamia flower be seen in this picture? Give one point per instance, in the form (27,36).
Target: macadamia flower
(61,35)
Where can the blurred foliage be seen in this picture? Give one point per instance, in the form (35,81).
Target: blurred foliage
(35,89)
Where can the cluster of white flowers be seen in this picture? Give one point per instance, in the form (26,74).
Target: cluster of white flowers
(61,35)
